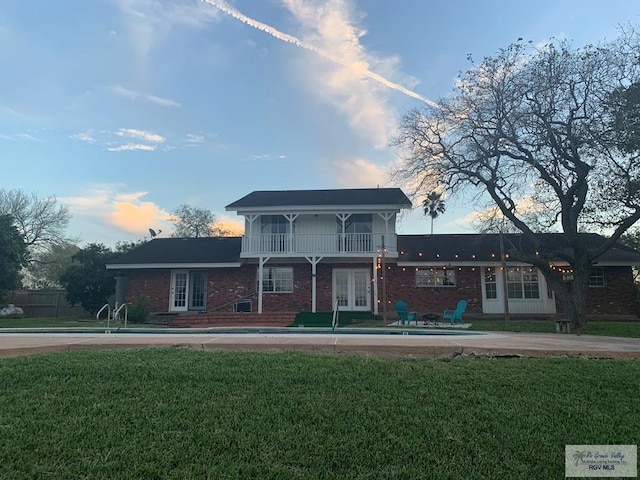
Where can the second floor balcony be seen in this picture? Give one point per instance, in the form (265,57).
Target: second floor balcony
(324,244)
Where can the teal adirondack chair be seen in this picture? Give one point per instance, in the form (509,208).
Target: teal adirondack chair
(456,314)
(404,316)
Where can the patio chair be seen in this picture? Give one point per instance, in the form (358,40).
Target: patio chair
(456,314)
(404,315)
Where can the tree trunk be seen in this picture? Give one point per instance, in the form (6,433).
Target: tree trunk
(573,294)
(580,289)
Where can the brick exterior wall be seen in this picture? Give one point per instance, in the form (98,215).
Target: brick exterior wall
(226,285)
(154,284)
(617,297)
(401,285)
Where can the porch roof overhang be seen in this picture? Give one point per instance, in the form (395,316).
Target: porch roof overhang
(481,263)
(174,266)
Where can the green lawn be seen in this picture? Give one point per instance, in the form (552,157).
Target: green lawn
(182,414)
(324,319)
(630,329)
(64,323)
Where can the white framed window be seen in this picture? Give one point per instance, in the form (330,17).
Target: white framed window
(276,279)
(274,224)
(522,282)
(597,278)
(435,277)
(490,283)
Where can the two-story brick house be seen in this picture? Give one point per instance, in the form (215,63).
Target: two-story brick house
(310,250)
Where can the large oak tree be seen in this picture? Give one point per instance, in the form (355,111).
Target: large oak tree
(195,222)
(13,255)
(541,126)
(41,220)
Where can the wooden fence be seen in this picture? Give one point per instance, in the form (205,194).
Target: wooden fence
(46,303)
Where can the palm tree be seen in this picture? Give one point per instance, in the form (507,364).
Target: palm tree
(433,206)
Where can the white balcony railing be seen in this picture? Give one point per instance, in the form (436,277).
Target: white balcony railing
(311,243)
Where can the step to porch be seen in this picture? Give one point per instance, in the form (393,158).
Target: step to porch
(272,319)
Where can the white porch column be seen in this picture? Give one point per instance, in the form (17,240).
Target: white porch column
(263,260)
(314,262)
(249,247)
(386,217)
(291,218)
(375,285)
(343,218)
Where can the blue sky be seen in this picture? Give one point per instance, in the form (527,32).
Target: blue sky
(125,109)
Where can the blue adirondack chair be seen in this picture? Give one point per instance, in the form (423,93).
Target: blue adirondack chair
(404,316)
(456,314)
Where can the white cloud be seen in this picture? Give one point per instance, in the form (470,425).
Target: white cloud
(266,156)
(329,26)
(341,70)
(19,137)
(126,212)
(124,92)
(231,225)
(84,137)
(140,135)
(359,172)
(192,139)
(165,102)
(132,146)
(148,21)
(132,95)
(130,139)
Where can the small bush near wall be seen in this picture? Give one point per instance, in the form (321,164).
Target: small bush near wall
(139,311)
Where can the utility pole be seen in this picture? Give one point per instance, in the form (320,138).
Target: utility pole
(505,290)
(383,264)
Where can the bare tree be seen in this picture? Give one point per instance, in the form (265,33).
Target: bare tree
(533,125)
(42,221)
(47,266)
(195,222)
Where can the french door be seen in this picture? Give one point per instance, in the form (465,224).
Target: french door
(188,290)
(352,289)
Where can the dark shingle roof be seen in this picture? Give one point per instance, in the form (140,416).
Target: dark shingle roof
(304,198)
(463,248)
(486,247)
(206,250)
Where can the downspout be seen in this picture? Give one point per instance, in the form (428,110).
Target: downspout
(262,261)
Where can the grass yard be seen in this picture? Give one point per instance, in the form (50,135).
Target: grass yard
(630,329)
(182,414)
(65,323)
(324,319)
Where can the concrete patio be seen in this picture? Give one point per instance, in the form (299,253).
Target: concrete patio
(398,345)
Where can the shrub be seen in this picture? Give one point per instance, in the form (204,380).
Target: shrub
(138,311)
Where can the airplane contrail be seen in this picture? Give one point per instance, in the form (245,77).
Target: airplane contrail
(358,68)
